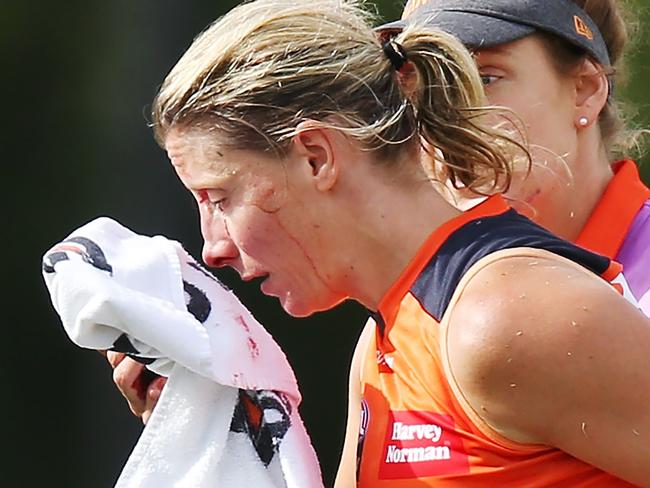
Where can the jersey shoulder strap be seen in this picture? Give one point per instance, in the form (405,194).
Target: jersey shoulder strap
(478,238)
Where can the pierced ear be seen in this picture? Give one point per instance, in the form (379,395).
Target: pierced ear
(314,146)
(592,90)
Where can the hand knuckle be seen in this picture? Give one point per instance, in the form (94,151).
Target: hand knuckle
(120,378)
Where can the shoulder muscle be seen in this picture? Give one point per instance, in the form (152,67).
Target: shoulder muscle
(547,352)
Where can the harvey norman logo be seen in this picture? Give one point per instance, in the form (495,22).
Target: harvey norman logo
(421,444)
(430,432)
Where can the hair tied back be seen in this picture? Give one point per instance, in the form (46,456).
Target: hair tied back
(395,54)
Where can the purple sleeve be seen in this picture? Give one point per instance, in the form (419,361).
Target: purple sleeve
(634,255)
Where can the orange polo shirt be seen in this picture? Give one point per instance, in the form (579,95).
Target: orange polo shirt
(609,223)
(619,228)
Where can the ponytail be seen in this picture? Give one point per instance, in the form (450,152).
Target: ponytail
(448,100)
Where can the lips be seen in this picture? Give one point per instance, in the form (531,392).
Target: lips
(253,276)
(265,287)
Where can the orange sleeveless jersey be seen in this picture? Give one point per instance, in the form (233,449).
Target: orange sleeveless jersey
(416,430)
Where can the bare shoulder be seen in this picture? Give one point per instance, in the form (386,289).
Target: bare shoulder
(534,339)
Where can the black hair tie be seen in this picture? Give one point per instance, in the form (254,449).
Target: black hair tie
(395,54)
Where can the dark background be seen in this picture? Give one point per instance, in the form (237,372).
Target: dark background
(77,81)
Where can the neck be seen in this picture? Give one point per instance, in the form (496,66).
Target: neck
(389,223)
(591,174)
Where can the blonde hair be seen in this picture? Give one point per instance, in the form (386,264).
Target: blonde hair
(264,67)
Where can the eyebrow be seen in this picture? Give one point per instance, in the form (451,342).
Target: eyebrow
(213,182)
(499,49)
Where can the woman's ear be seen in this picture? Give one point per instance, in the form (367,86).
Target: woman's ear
(592,91)
(315,148)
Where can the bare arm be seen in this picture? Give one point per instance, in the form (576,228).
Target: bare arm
(346,475)
(553,355)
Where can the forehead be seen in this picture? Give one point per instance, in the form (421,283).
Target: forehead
(529,49)
(198,158)
(201,161)
(502,49)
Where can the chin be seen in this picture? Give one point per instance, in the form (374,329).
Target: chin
(301,308)
(296,308)
(298,312)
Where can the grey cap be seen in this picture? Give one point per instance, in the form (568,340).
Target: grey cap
(485,23)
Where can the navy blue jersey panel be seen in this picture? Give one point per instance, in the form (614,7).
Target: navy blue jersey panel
(379,320)
(478,238)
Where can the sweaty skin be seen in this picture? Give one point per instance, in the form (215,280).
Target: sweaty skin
(551,367)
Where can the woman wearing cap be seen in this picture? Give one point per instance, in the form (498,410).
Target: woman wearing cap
(300,135)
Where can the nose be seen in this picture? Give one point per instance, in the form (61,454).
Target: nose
(219,249)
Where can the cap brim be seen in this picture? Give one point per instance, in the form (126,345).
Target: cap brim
(474,30)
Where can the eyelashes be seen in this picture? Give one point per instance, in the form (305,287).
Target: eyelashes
(205,199)
(488,79)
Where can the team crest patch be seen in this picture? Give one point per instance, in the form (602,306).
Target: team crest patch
(384,362)
(421,444)
(265,417)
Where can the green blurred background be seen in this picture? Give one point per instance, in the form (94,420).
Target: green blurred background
(77,81)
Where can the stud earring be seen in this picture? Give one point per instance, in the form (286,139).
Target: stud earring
(583,121)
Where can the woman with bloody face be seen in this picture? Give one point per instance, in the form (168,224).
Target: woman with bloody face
(313,149)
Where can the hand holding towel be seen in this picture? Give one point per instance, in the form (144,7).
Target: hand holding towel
(228,415)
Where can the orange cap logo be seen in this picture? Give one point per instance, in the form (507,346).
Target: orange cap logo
(582,28)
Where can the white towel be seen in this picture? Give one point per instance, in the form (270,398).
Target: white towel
(228,415)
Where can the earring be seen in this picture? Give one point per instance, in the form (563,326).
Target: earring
(583,121)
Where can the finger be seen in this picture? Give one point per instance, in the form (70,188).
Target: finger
(153,394)
(126,377)
(115,358)
(145,416)
(154,390)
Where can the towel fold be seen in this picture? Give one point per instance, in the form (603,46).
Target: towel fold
(228,415)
